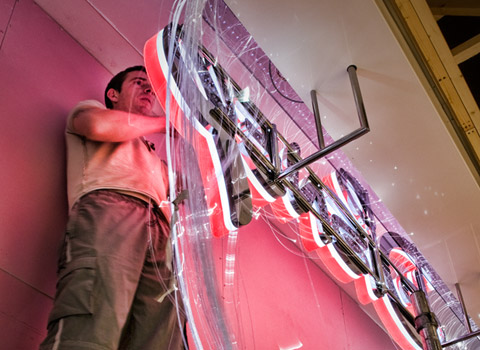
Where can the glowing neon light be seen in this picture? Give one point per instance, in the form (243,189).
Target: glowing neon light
(211,169)
(335,264)
(311,229)
(365,289)
(286,208)
(407,267)
(348,196)
(394,325)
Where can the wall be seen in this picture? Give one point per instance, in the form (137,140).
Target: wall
(287,302)
(43,73)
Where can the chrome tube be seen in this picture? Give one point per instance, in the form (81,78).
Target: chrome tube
(425,321)
(363,129)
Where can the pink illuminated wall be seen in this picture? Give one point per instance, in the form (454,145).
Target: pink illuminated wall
(43,73)
(285,300)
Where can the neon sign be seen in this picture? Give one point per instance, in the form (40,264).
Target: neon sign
(335,220)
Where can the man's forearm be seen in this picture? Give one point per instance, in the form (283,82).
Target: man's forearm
(109,125)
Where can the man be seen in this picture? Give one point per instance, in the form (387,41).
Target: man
(114,279)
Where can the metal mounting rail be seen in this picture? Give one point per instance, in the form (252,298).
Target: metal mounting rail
(325,150)
(462,338)
(471,333)
(464,309)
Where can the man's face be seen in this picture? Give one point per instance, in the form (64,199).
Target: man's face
(136,95)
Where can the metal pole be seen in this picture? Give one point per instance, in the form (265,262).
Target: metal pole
(363,129)
(318,120)
(462,338)
(320,154)
(464,309)
(381,284)
(357,95)
(425,321)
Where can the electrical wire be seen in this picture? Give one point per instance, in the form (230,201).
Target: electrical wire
(275,86)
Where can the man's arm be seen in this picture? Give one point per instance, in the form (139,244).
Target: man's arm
(109,125)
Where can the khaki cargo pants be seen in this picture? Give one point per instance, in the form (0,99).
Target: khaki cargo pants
(112,291)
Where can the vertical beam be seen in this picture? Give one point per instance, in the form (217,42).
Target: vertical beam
(443,78)
(425,321)
(464,309)
(318,121)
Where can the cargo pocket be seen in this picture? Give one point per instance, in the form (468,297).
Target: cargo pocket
(75,286)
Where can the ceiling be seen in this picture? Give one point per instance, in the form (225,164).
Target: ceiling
(461,30)
(421,155)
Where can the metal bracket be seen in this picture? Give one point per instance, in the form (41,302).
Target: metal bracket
(325,150)
(180,198)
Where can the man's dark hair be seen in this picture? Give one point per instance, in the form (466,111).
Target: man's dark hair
(117,81)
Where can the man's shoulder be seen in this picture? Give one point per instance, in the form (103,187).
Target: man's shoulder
(82,105)
(87,104)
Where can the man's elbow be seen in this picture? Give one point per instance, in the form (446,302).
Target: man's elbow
(85,124)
